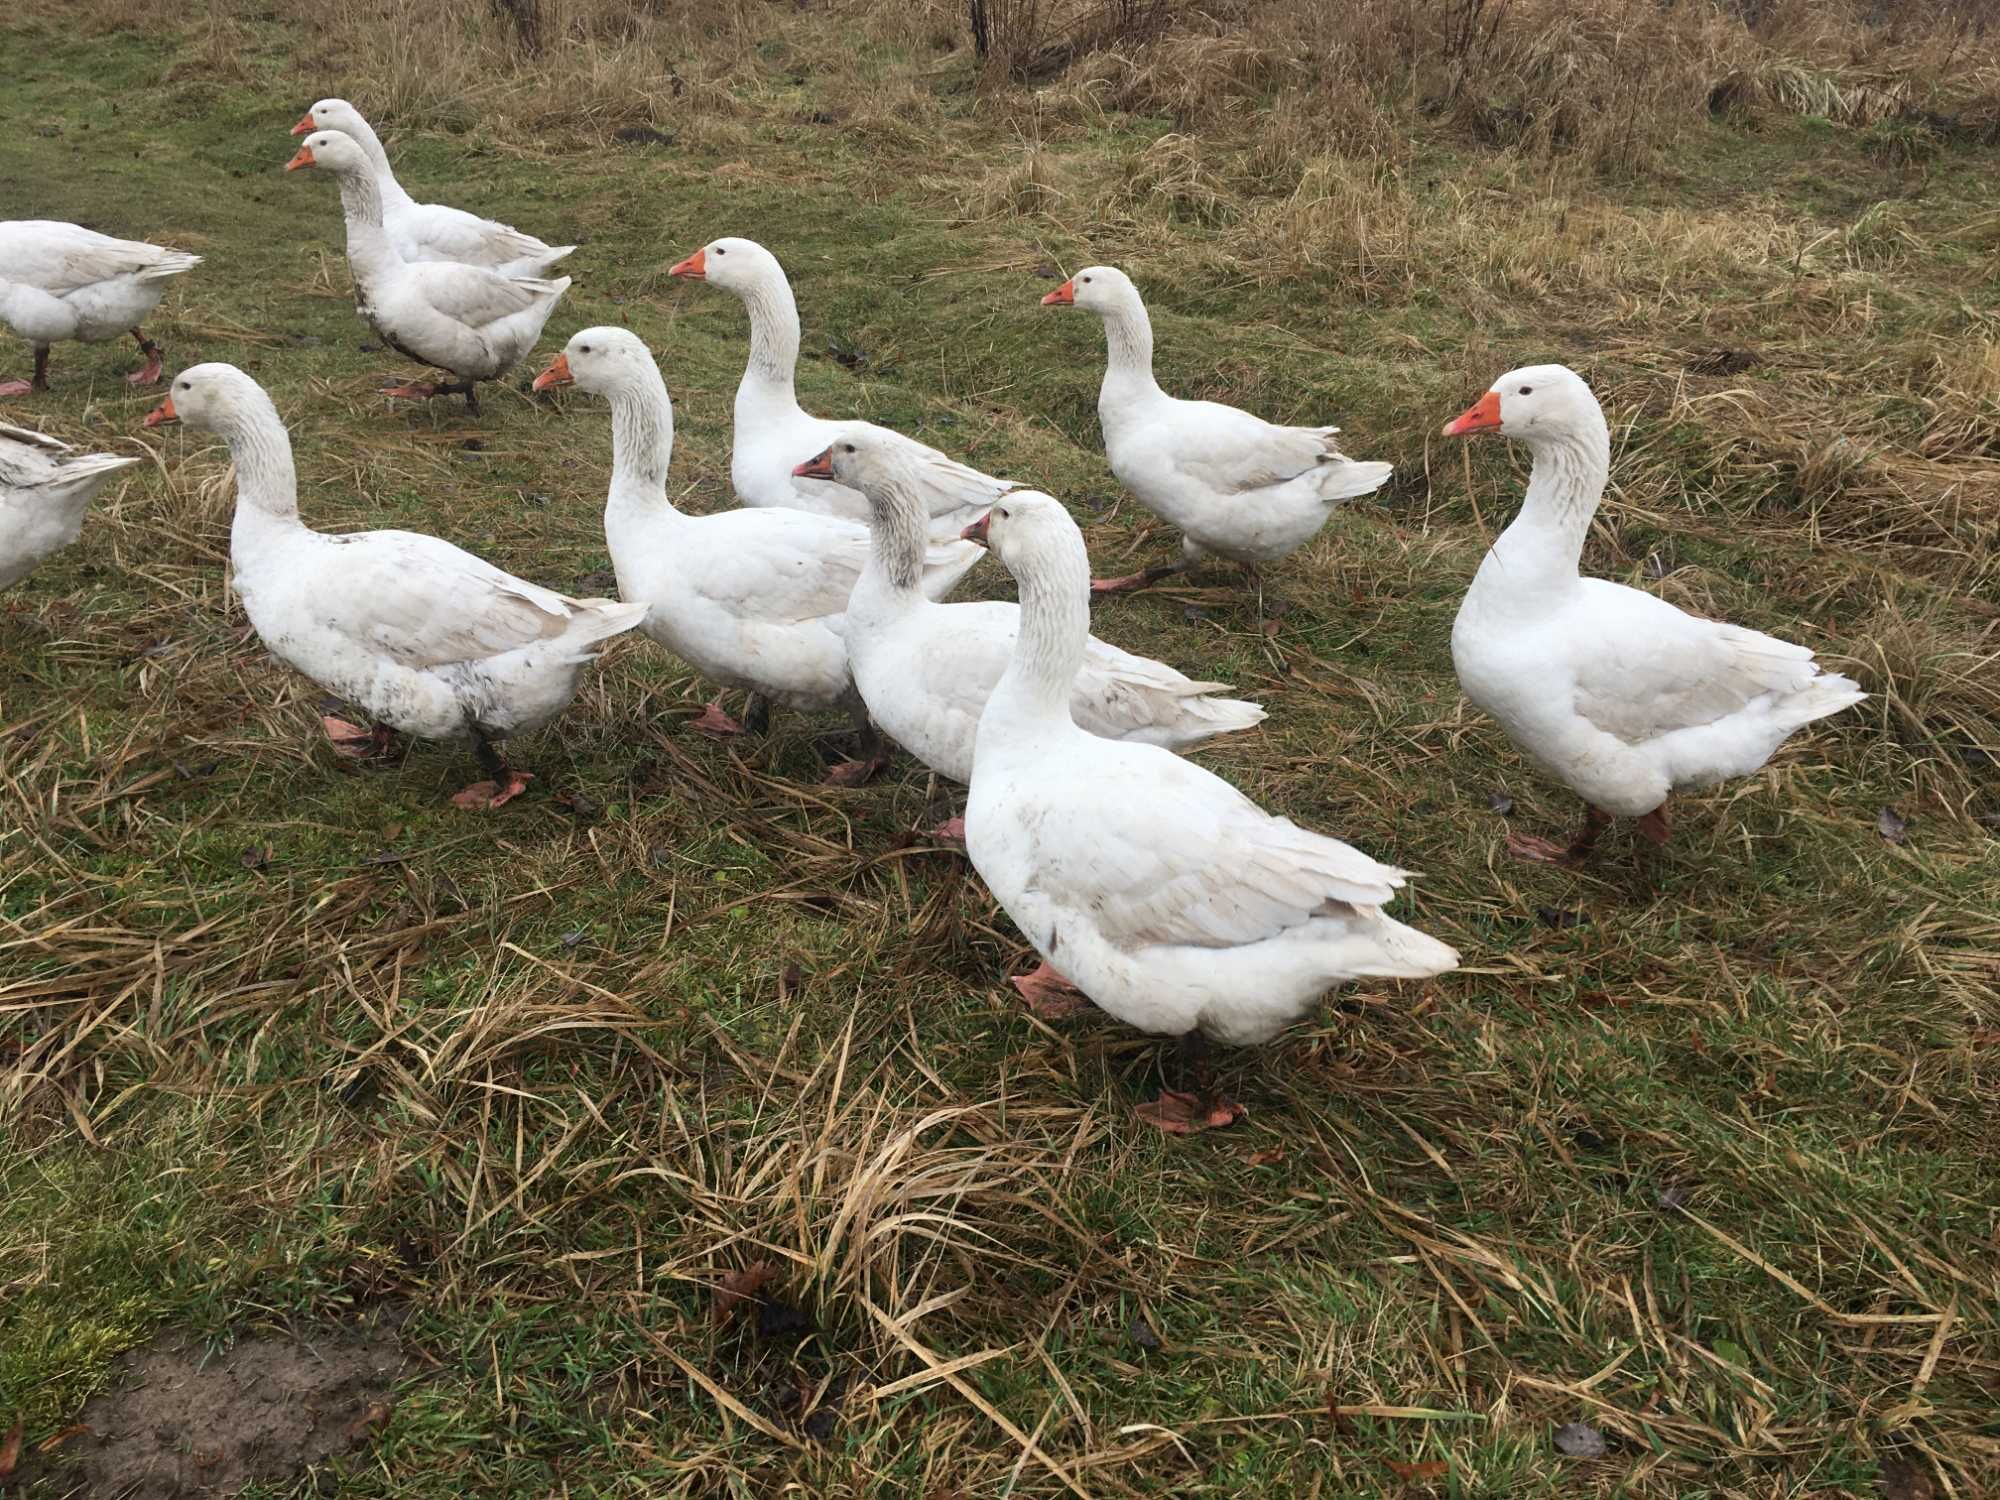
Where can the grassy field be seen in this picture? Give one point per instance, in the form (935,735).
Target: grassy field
(1699,1148)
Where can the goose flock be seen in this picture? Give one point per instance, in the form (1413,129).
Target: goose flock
(1146,884)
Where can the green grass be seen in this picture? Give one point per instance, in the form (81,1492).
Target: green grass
(548,1077)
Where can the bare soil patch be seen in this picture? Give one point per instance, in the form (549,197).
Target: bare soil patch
(182,1422)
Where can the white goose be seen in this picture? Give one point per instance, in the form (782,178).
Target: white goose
(470,321)
(1617,694)
(433,231)
(925,670)
(1235,485)
(751,598)
(425,637)
(1157,888)
(62,281)
(45,487)
(773,432)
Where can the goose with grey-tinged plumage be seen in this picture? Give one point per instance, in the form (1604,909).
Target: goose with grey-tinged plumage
(433,231)
(426,638)
(751,598)
(61,281)
(926,669)
(469,321)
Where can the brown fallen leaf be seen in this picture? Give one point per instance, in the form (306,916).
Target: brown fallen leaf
(738,1287)
(1902,1480)
(10,1450)
(56,1439)
(371,1420)
(1188,1114)
(1435,1468)
(1270,1156)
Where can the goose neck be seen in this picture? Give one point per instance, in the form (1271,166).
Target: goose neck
(774,334)
(1546,539)
(642,442)
(899,534)
(371,147)
(368,246)
(1128,338)
(267,487)
(1055,629)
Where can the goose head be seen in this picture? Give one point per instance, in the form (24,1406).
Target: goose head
(210,398)
(737,264)
(334,151)
(860,458)
(1098,289)
(1536,403)
(600,361)
(1026,530)
(331,114)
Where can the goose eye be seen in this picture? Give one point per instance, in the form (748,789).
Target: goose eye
(584,350)
(720,251)
(1527,390)
(847,447)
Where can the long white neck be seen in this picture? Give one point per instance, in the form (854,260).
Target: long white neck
(774,339)
(1055,628)
(892,579)
(642,446)
(385,177)
(1545,542)
(1128,339)
(267,486)
(369,252)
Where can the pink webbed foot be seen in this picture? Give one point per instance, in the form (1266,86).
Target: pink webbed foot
(1537,850)
(951,831)
(484,796)
(1132,582)
(16,388)
(1179,1113)
(147,374)
(420,391)
(716,722)
(1049,994)
(352,742)
(1654,826)
(858,772)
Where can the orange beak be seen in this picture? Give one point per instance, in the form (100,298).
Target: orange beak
(976,532)
(1062,296)
(556,374)
(1482,416)
(817,467)
(695,267)
(305,125)
(164,412)
(303,159)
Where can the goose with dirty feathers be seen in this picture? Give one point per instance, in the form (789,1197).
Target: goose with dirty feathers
(426,638)
(773,432)
(433,231)
(926,669)
(1617,694)
(62,281)
(1150,884)
(45,487)
(1234,485)
(751,598)
(469,321)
